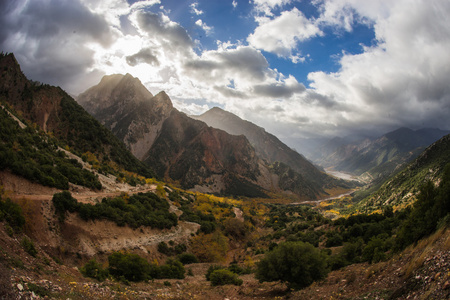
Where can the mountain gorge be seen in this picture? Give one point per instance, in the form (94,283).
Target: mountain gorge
(195,155)
(375,159)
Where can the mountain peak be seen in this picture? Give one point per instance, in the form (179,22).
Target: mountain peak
(163,100)
(113,90)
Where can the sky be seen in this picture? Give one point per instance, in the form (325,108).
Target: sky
(298,68)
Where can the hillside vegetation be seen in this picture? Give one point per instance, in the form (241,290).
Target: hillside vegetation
(54,112)
(33,154)
(403,188)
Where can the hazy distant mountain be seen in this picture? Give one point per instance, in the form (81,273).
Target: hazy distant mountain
(377,157)
(402,189)
(267,146)
(188,151)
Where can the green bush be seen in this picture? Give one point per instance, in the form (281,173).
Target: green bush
(164,248)
(334,240)
(297,263)
(374,251)
(12,213)
(211,269)
(335,262)
(130,266)
(223,277)
(187,258)
(94,270)
(173,269)
(28,246)
(64,202)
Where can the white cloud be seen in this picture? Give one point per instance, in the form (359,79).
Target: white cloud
(400,80)
(195,10)
(282,34)
(234,3)
(205,27)
(266,6)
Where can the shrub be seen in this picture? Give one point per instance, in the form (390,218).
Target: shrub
(173,269)
(334,240)
(374,250)
(163,248)
(235,228)
(12,213)
(337,261)
(94,270)
(223,277)
(187,258)
(130,266)
(28,246)
(296,263)
(64,202)
(211,269)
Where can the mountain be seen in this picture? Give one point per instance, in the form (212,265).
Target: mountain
(58,115)
(403,188)
(266,145)
(376,158)
(190,152)
(128,109)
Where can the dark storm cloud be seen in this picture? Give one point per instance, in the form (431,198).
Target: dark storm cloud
(156,25)
(316,99)
(229,92)
(48,38)
(242,63)
(278,90)
(245,59)
(64,17)
(143,56)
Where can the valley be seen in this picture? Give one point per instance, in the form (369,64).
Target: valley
(138,200)
(342,175)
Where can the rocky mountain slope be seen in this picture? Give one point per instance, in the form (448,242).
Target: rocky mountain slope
(266,145)
(56,113)
(193,154)
(376,158)
(129,110)
(402,189)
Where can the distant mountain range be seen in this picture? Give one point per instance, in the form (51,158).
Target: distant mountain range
(198,156)
(374,159)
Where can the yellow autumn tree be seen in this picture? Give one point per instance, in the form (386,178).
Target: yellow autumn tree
(211,247)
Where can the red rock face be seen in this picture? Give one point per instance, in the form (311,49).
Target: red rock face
(37,102)
(193,154)
(267,146)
